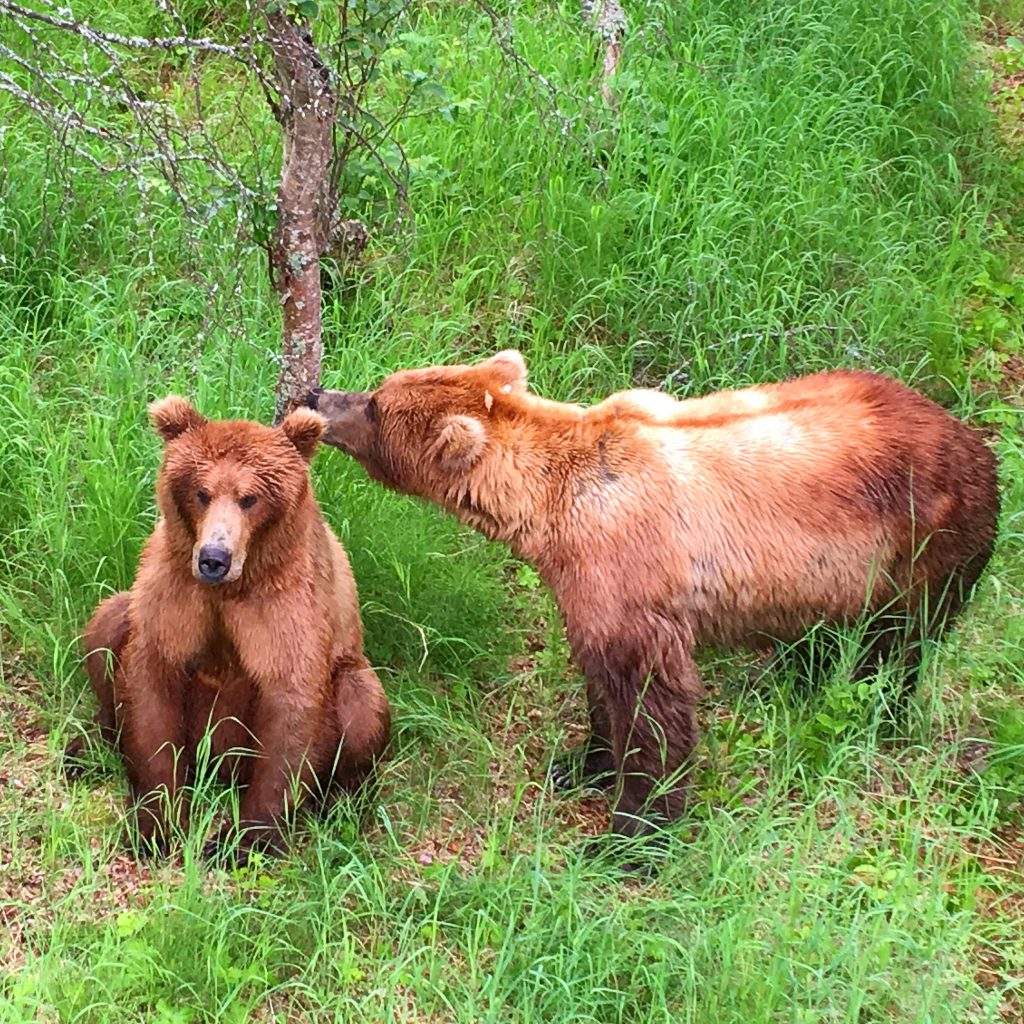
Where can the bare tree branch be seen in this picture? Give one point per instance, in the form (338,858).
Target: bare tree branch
(166,128)
(242,53)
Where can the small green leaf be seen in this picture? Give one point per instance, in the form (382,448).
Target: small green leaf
(130,922)
(168,1014)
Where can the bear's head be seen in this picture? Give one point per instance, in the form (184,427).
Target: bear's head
(228,485)
(422,432)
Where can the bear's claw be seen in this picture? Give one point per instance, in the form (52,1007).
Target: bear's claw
(73,762)
(563,778)
(583,767)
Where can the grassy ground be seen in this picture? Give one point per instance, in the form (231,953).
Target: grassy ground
(789,186)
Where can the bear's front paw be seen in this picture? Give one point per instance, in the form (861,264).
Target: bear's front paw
(233,846)
(587,767)
(147,837)
(564,776)
(73,764)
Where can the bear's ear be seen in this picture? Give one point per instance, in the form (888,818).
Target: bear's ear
(173,415)
(304,428)
(507,370)
(460,443)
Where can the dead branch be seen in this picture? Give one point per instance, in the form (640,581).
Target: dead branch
(96,36)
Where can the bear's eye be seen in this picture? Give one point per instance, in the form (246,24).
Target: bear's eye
(202,497)
(371,410)
(247,502)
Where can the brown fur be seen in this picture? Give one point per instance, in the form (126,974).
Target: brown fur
(269,661)
(662,525)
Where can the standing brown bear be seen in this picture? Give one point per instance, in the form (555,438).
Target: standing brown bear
(662,525)
(242,624)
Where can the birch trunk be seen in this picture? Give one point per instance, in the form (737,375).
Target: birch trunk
(306,112)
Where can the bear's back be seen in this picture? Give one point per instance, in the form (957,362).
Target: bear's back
(768,505)
(824,425)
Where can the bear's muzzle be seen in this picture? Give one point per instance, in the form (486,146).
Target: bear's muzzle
(350,425)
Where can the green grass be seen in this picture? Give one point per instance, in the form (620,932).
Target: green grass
(786,186)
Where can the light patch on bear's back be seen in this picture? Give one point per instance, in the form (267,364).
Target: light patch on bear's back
(724,405)
(676,447)
(774,432)
(754,400)
(758,448)
(638,402)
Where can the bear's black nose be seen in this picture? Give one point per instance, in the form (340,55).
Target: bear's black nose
(313,397)
(214,563)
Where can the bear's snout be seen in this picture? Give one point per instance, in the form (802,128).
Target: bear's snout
(351,423)
(214,563)
(335,403)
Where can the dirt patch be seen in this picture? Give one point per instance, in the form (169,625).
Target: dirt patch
(1013,375)
(21,696)
(999,957)
(37,887)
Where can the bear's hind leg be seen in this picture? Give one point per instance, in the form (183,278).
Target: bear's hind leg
(104,640)
(363,723)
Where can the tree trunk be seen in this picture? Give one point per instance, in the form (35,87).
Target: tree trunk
(306,112)
(609,21)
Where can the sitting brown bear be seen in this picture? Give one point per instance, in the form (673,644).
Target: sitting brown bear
(242,624)
(662,525)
